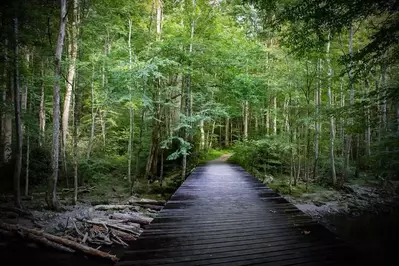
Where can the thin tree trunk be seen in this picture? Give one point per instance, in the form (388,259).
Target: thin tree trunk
(202,136)
(256,124)
(212,132)
(397,116)
(275,115)
(226,136)
(352,97)
(329,94)
(130,148)
(52,200)
(368,130)
(246,116)
(27,162)
(140,146)
(3,103)
(341,121)
(317,120)
(27,136)
(7,117)
(75,141)
(188,92)
(42,113)
(286,115)
(73,49)
(18,124)
(384,125)
(267,122)
(153,156)
(93,118)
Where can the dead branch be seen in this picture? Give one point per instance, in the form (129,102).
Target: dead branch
(58,240)
(131,218)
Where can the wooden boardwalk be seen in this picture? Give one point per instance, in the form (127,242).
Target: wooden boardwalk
(221,215)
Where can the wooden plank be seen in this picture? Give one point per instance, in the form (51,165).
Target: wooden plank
(222,215)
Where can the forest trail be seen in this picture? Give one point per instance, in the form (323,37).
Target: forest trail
(223,215)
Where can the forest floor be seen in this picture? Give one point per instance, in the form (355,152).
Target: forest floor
(366,216)
(106,219)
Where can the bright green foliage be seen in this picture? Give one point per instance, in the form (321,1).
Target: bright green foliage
(209,71)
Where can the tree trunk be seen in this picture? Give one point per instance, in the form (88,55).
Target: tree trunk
(352,99)
(397,116)
(52,186)
(267,122)
(384,125)
(275,115)
(212,132)
(93,118)
(246,115)
(25,129)
(42,113)
(368,130)
(131,114)
(7,117)
(317,121)
(18,124)
(188,92)
(73,52)
(226,136)
(329,94)
(152,160)
(202,137)
(75,140)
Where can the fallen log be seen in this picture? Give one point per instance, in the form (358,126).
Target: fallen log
(112,207)
(44,241)
(131,218)
(116,227)
(18,211)
(80,190)
(58,240)
(146,201)
(124,236)
(150,206)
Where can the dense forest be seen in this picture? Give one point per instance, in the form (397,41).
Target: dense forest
(128,91)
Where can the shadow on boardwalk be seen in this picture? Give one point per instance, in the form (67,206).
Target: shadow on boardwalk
(221,215)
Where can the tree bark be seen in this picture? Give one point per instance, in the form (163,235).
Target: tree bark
(246,115)
(7,117)
(18,123)
(42,113)
(317,120)
(226,136)
(329,94)
(52,200)
(93,118)
(348,137)
(75,141)
(131,114)
(73,52)
(188,92)
(152,160)
(202,137)
(60,240)
(368,130)
(275,115)
(212,131)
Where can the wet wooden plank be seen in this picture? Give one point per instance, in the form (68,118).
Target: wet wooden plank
(222,215)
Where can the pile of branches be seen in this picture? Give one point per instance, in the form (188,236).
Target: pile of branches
(52,241)
(101,233)
(122,224)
